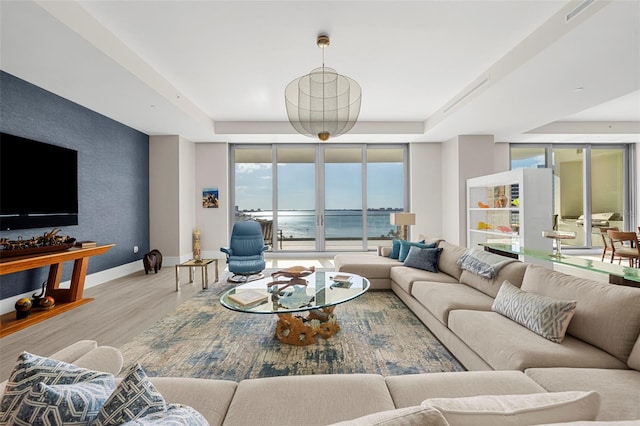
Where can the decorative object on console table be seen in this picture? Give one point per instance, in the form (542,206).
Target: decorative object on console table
(86,244)
(23,307)
(558,236)
(196,246)
(47,243)
(402,220)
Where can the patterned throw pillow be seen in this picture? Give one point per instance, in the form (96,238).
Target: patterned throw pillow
(63,404)
(406,245)
(176,415)
(31,369)
(135,397)
(543,315)
(423,258)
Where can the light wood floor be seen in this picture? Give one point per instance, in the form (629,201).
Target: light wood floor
(122,309)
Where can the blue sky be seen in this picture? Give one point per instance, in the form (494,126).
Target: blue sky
(297,183)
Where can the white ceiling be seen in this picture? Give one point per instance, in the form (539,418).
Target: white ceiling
(216,70)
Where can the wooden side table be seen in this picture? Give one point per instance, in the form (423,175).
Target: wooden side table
(204,270)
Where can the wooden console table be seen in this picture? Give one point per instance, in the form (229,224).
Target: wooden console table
(66,298)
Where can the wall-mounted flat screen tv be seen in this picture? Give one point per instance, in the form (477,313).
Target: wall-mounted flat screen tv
(38,184)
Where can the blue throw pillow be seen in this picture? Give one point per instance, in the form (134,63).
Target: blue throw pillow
(406,245)
(395,249)
(423,258)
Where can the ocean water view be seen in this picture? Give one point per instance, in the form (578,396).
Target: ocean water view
(339,224)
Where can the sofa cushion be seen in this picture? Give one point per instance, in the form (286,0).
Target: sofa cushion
(411,389)
(423,258)
(619,389)
(175,415)
(409,416)
(134,397)
(607,316)
(209,397)
(543,315)
(405,276)
(440,299)
(634,358)
(513,272)
(366,265)
(103,358)
(68,404)
(429,239)
(448,262)
(528,409)
(506,345)
(343,396)
(405,246)
(31,369)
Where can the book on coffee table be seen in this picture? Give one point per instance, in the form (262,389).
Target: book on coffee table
(341,278)
(249,297)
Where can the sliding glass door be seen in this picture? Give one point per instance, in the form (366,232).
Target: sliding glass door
(589,185)
(327,197)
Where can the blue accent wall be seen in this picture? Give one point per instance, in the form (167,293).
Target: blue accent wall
(113,176)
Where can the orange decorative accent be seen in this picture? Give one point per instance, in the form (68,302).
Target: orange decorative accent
(483,205)
(504,229)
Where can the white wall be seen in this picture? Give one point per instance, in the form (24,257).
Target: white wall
(212,170)
(465,157)
(171,188)
(186,212)
(425,170)
(164,201)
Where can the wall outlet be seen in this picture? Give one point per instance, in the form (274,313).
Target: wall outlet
(135,249)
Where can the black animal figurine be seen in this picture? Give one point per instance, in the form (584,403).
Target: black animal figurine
(152,261)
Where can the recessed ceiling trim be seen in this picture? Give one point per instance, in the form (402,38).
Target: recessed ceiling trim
(468,93)
(578,9)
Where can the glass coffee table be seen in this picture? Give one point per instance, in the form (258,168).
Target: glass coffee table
(290,301)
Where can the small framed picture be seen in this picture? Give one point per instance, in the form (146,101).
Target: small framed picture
(210,198)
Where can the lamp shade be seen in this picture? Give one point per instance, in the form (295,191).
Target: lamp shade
(402,218)
(323,102)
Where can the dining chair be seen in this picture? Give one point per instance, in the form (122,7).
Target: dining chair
(606,243)
(630,251)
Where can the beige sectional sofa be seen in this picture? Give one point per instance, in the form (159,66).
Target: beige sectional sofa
(591,378)
(601,350)
(355,399)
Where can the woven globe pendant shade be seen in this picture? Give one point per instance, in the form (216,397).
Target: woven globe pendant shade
(323,103)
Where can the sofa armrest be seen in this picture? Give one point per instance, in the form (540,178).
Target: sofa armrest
(384,251)
(75,350)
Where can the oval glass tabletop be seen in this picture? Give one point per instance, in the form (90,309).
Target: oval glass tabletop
(321,291)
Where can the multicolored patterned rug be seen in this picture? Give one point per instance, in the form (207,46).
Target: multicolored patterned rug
(378,334)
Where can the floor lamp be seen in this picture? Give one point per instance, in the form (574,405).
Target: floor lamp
(403,220)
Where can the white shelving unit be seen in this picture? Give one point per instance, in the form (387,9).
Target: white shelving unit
(511,207)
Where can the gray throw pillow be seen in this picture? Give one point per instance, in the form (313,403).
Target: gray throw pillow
(423,258)
(406,245)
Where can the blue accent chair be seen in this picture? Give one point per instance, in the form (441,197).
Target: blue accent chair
(245,254)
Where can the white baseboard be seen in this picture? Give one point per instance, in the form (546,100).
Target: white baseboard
(91,280)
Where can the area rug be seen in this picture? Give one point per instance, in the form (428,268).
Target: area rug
(203,339)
